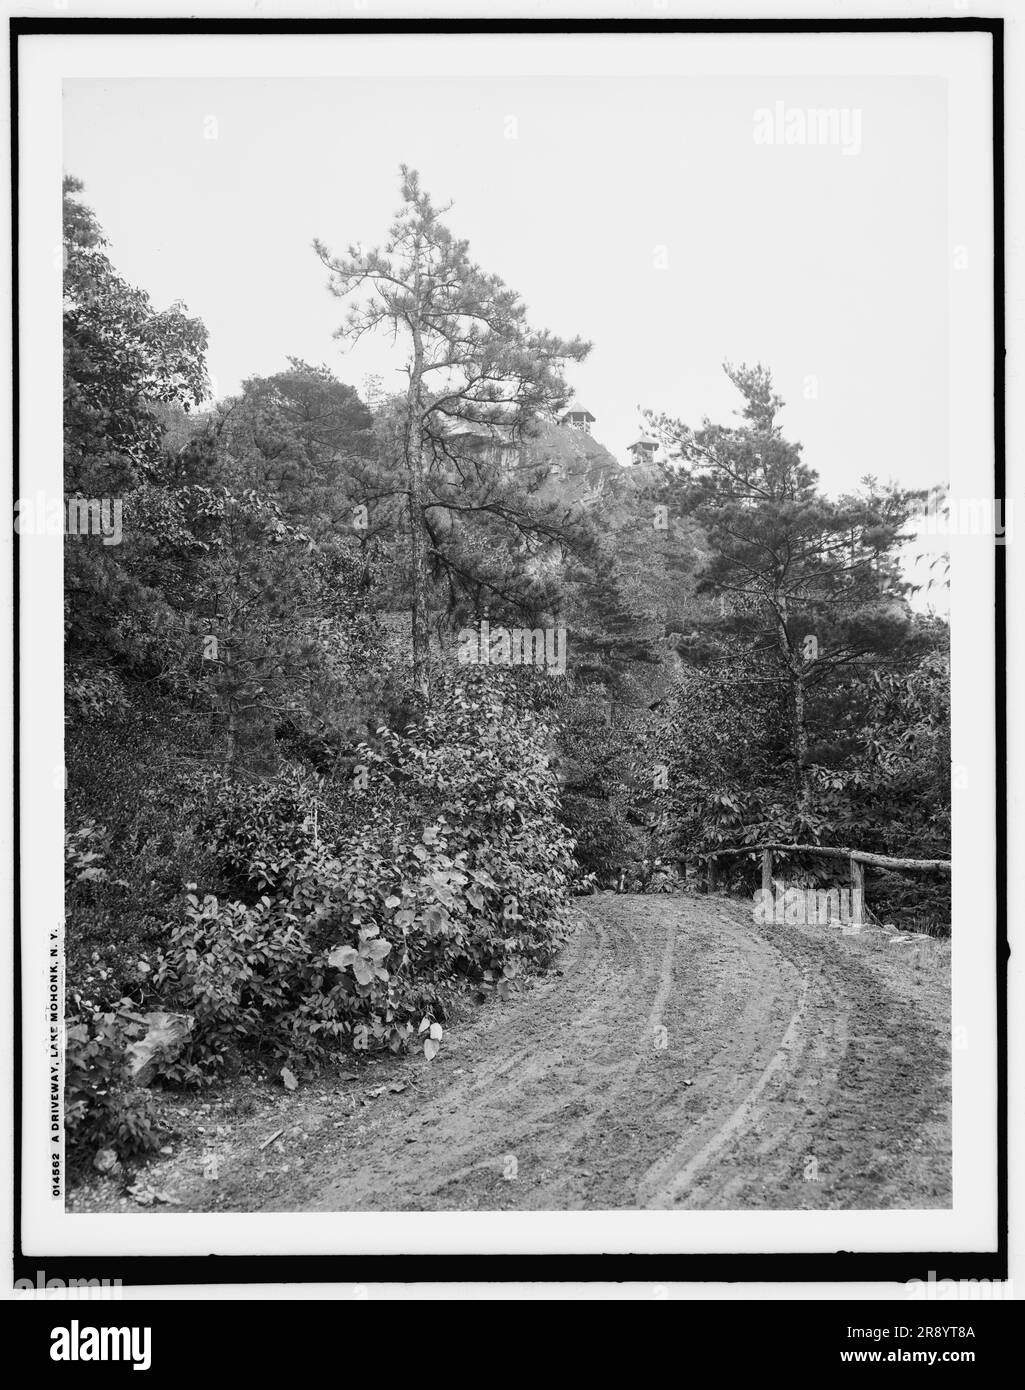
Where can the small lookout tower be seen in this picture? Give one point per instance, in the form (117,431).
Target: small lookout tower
(643,451)
(577,416)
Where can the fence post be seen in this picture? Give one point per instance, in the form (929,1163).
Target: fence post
(766,874)
(857,891)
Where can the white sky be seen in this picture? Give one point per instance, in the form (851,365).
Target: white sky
(818,263)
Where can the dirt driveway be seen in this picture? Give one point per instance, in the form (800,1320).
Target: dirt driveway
(681,1056)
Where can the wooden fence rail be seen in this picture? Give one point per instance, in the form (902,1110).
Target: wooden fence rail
(856,858)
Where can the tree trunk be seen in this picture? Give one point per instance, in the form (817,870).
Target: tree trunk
(793,663)
(418,538)
(228,661)
(802,789)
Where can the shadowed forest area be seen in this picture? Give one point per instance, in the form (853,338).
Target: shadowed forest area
(374,683)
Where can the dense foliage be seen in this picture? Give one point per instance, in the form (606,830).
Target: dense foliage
(298,827)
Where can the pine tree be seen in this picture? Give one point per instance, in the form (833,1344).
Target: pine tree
(473,363)
(813,583)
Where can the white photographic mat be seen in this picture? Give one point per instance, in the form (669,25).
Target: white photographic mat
(822,203)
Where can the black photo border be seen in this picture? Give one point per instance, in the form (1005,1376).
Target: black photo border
(839,1266)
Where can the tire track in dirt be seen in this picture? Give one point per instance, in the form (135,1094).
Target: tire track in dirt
(845,1111)
(531,1098)
(589,1093)
(683,1058)
(592,1099)
(674,1174)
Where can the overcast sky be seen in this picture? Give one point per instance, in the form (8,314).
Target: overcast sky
(642,214)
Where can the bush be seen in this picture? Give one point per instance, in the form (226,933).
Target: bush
(236,968)
(132,802)
(103,1108)
(259,831)
(457,869)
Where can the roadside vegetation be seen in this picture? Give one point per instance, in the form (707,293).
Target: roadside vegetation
(300,829)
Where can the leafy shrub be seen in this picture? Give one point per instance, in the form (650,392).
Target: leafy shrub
(103,1108)
(91,694)
(84,848)
(456,869)
(236,968)
(133,801)
(917,900)
(258,831)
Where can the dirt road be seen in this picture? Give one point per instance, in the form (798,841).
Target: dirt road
(681,1057)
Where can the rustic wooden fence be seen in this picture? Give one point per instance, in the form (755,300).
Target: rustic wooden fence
(856,858)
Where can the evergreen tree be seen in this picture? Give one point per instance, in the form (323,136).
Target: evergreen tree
(473,365)
(812,583)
